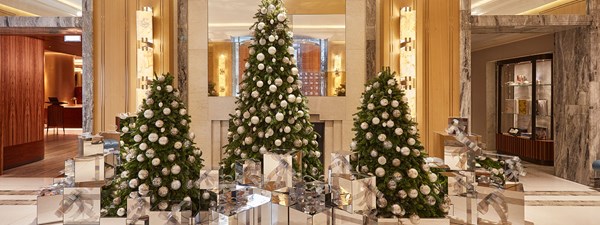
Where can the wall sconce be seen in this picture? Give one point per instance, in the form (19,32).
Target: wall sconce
(222,79)
(337,64)
(145,52)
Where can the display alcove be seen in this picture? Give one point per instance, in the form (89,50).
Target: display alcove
(525,118)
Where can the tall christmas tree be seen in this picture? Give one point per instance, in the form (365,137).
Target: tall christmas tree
(161,161)
(387,145)
(271,111)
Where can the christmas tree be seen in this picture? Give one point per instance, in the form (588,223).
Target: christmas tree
(271,111)
(387,145)
(161,161)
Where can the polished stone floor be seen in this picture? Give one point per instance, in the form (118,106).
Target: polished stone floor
(549,200)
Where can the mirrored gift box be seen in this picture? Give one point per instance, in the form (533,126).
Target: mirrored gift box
(355,193)
(282,169)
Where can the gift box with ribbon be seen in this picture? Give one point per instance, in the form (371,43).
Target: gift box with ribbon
(248,172)
(232,194)
(112,160)
(501,206)
(460,182)
(231,213)
(312,195)
(340,163)
(177,213)
(341,217)
(49,204)
(81,206)
(90,145)
(89,168)
(320,215)
(209,179)
(459,158)
(137,209)
(113,221)
(280,167)
(284,196)
(355,193)
(270,214)
(463,209)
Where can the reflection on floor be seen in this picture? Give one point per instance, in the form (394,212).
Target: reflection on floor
(58,148)
(549,200)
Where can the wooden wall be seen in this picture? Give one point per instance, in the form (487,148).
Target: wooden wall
(22,93)
(59,77)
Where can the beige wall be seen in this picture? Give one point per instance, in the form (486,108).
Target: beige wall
(483,92)
(115,54)
(59,77)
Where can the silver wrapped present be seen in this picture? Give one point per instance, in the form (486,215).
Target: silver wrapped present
(459,158)
(89,168)
(177,213)
(463,209)
(341,217)
(280,168)
(81,206)
(231,214)
(137,209)
(209,179)
(248,172)
(90,145)
(340,163)
(315,216)
(49,205)
(503,206)
(460,182)
(284,196)
(355,193)
(271,214)
(312,195)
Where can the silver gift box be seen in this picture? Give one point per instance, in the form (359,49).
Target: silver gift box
(459,158)
(231,214)
(463,209)
(90,145)
(342,217)
(270,214)
(460,182)
(355,193)
(280,167)
(505,205)
(340,163)
(248,172)
(180,214)
(313,195)
(89,168)
(209,179)
(316,216)
(113,221)
(284,196)
(137,209)
(81,206)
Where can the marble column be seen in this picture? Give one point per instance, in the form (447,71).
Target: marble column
(182,48)
(87,83)
(371,48)
(465,58)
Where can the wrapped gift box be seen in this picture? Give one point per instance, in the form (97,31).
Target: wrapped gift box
(231,214)
(460,182)
(179,213)
(280,168)
(248,172)
(270,214)
(341,217)
(459,158)
(355,193)
(112,160)
(284,196)
(113,221)
(89,168)
(209,179)
(90,145)
(463,210)
(340,163)
(313,195)
(137,209)
(320,215)
(81,206)
(501,206)
(49,208)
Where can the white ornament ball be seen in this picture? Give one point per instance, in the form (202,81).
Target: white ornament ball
(402,194)
(163,191)
(390,123)
(155,161)
(353,145)
(125,129)
(380,172)
(271,38)
(143,189)
(241,130)
(121,212)
(433,177)
(298,99)
(148,114)
(411,141)
(261,66)
(175,185)
(375,120)
(370,106)
(254,120)
(175,169)
(425,189)
(272,50)
(182,112)
(143,174)
(153,137)
(260,57)
(260,26)
(133,183)
(295,71)
(171,157)
(143,128)
(413,193)
(281,17)
(398,131)
(259,83)
(163,140)
(382,137)
(395,103)
(279,116)
(381,160)
(374,153)
(159,123)
(272,88)
(404,99)
(412,173)
(383,102)
(396,162)
(290,50)
(415,219)
(167,111)
(277,142)
(177,145)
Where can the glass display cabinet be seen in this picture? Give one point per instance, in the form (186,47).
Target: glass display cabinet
(525,118)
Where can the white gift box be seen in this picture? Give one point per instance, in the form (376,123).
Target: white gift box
(90,145)
(355,193)
(81,206)
(460,182)
(501,206)
(209,179)
(49,209)
(89,168)
(457,158)
(231,214)
(340,163)
(280,168)
(137,208)
(248,172)
(463,210)
(270,214)
(171,218)
(342,217)
(320,216)
(113,221)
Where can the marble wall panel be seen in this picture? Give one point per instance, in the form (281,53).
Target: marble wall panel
(465,59)
(182,48)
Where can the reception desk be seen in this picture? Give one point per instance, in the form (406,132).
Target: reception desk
(72,116)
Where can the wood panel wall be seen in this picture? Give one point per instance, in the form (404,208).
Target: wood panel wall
(59,77)
(22,92)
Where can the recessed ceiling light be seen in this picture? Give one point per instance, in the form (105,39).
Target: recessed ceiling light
(72,38)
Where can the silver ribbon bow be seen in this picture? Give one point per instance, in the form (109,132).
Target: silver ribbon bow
(515,169)
(250,174)
(84,203)
(370,190)
(171,217)
(138,209)
(282,170)
(461,182)
(463,157)
(207,179)
(462,138)
(497,201)
(339,161)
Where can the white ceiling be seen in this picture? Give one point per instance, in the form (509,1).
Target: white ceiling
(231,18)
(45,7)
(505,7)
